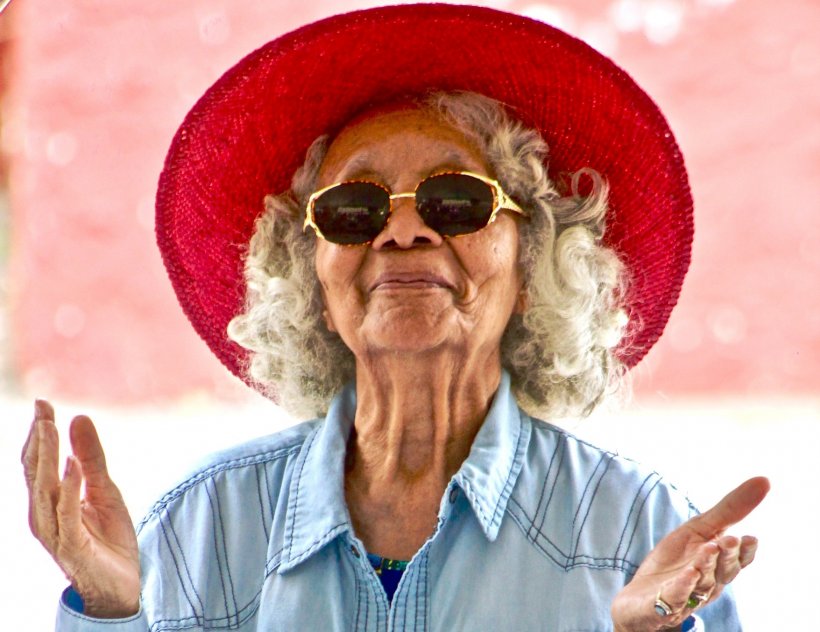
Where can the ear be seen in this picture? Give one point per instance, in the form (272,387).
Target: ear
(329,321)
(522,302)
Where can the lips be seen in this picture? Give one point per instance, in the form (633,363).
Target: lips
(409,280)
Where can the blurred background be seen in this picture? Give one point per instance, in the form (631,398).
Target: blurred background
(91,93)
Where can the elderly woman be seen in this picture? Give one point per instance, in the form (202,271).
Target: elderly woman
(422,278)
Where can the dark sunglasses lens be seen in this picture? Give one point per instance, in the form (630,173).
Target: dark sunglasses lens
(352,212)
(454,204)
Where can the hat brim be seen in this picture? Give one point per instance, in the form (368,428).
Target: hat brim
(249,132)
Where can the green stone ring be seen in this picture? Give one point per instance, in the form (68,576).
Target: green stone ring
(695,600)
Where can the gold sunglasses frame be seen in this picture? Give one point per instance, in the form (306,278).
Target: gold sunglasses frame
(501,201)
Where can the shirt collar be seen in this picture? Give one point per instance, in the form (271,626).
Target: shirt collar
(317,513)
(316,510)
(489,474)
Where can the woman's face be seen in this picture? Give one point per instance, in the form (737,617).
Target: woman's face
(412,290)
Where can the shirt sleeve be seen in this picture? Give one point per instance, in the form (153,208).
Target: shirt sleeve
(69,620)
(721,615)
(693,624)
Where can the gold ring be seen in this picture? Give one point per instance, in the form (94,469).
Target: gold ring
(661,607)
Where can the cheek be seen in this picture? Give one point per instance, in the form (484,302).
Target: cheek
(497,259)
(329,265)
(327,280)
(508,281)
(336,269)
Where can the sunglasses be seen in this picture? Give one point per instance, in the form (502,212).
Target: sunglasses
(457,203)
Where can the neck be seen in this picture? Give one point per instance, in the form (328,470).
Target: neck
(417,416)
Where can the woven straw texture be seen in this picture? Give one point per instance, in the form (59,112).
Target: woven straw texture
(247,135)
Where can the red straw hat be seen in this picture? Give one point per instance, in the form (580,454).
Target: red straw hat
(249,132)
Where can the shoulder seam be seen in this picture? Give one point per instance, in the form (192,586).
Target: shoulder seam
(546,426)
(209,472)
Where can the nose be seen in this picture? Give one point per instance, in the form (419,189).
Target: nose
(405,228)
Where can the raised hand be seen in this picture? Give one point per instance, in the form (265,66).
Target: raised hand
(691,566)
(91,538)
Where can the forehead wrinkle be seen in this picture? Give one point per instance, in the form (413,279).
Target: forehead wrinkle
(360,166)
(357,165)
(455,160)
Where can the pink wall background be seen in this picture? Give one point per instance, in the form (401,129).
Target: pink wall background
(96,90)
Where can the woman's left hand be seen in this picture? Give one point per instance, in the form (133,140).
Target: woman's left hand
(692,563)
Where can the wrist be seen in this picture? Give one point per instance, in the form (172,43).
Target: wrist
(111,611)
(103,608)
(689,625)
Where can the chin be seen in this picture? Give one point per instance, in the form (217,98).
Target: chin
(410,330)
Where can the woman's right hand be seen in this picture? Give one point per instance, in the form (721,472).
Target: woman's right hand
(91,538)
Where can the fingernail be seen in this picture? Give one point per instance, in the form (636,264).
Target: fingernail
(729,542)
(41,409)
(69,467)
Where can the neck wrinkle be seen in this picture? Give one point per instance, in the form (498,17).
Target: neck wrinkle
(416,418)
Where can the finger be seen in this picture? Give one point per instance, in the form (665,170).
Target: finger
(46,486)
(42,410)
(675,593)
(26,445)
(735,506)
(728,565)
(87,448)
(748,549)
(706,556)
(29,457)
(48,450)
(705,562)
(69,516)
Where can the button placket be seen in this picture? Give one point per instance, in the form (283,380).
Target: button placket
(375,600)
(453,495)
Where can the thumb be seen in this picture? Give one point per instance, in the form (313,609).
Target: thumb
(733,508)
(86,446)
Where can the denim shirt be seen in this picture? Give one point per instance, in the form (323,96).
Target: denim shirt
(538,530)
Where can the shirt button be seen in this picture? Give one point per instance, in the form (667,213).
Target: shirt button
(453,495)
(355,551)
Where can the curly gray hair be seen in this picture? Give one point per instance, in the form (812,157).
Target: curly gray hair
(559,352)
